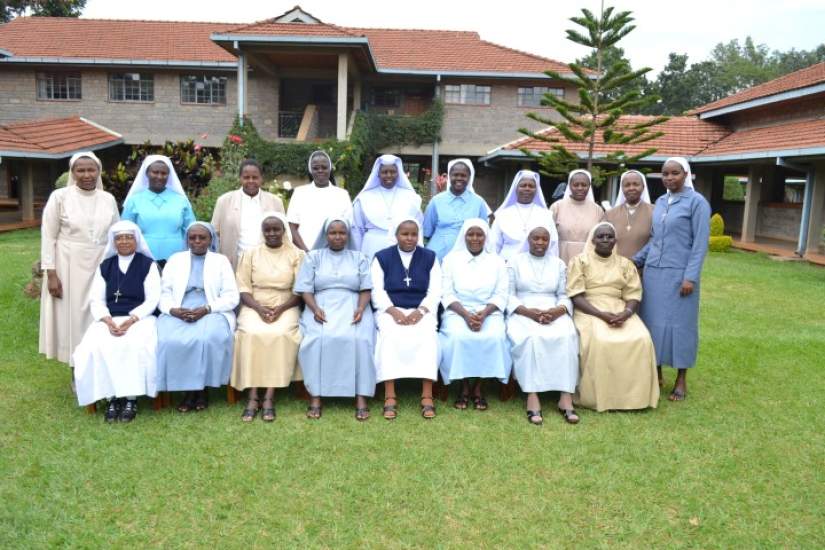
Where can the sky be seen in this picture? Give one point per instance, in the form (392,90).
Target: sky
(538,27)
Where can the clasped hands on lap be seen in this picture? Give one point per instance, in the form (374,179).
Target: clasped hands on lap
(474,320)
(541,316)
(189,315)
(410,319)
(119,330)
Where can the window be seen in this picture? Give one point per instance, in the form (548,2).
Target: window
(531,97)
(467,94)
(131,87)
(386,97)
(205,90)
(58,86)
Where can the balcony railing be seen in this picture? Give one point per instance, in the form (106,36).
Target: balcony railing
(288,123)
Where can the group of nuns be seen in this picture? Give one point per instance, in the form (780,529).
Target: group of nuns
(343,296)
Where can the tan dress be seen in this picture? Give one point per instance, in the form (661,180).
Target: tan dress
(266,354)
(632,230)
(73,236)
(573,220)
(617,365)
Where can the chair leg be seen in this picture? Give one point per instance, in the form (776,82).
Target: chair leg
(231,395)
(91,409)
(157,402)
(300,391)
(508,390)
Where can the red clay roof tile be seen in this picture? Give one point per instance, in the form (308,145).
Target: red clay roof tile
(815,74)
(793,135)
(57,136)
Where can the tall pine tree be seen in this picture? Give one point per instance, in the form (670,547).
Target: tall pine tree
(612,89)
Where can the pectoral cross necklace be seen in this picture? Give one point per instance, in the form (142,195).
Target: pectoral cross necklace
(407,279)
(117,293)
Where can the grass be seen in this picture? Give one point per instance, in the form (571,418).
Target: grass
(741,463)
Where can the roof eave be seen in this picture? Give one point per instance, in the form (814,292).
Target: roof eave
(229,41)
(471,74)
(86,61)
(761,101)
(58,156)
(517,154)
(755,155)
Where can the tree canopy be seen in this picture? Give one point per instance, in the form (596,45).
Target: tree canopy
(9,9)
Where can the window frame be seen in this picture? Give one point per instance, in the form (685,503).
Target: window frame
(464,94)
(520,95)
(147,78)
(51,83)
(204,79)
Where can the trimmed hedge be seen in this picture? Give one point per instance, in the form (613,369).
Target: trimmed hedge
(718,242)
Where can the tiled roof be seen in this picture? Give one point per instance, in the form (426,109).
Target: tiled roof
(56,138)
(449,51)
(684,136)
(113,39)
(815,74)
(271,27)
(167,41)
(804,134)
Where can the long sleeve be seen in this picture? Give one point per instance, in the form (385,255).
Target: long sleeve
(359,225)
(228,296)
(49,230)
(167,286)
(380,299)
(700,220)
(430,219)
(496,238)
(151,294)
(97,297)
(433,296)
(217,214)
(243,275)
(484,209)
(553,250)
(188,218)
(129,211)
(513,301)
(561,288)
(641,256)
(448,293)
(502,290)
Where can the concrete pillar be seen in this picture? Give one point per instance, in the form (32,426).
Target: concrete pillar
(343,69)
(356,94)
(753,196)
(242,85)
(817,210)
(703,182)
(27,193)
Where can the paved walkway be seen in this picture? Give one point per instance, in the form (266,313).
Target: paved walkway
(779,248)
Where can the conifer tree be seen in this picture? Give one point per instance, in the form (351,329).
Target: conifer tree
(604,94)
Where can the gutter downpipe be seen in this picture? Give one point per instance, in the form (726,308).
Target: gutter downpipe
(241,83)
(434,174)
(806,202)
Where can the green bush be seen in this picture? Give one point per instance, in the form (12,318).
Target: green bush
(721,243)
(717,225)
(204,203)
(62,180)
(733,190)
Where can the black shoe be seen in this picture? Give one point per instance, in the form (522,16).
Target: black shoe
(112,411)
(129,412)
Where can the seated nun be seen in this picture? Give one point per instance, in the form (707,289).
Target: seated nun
(618,362)
(336,353)
(473,338)
(116,358)
(266,343)
(406,282)
(195,330)
(540,324)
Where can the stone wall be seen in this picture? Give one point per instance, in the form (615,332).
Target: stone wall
(779,222)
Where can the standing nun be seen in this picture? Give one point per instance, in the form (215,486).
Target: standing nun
(575,214)
(116,358)
(195,331)
(473,338)
(336,352)
(447,211)
(672,262)
(387,195)
(632,214)
(73,232)
(523,208)
(313,203)
(158,205)
(406,282)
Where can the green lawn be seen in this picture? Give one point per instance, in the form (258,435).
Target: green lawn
(741,463)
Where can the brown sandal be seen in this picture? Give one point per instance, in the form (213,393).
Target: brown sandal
(390,411)
(428,411)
